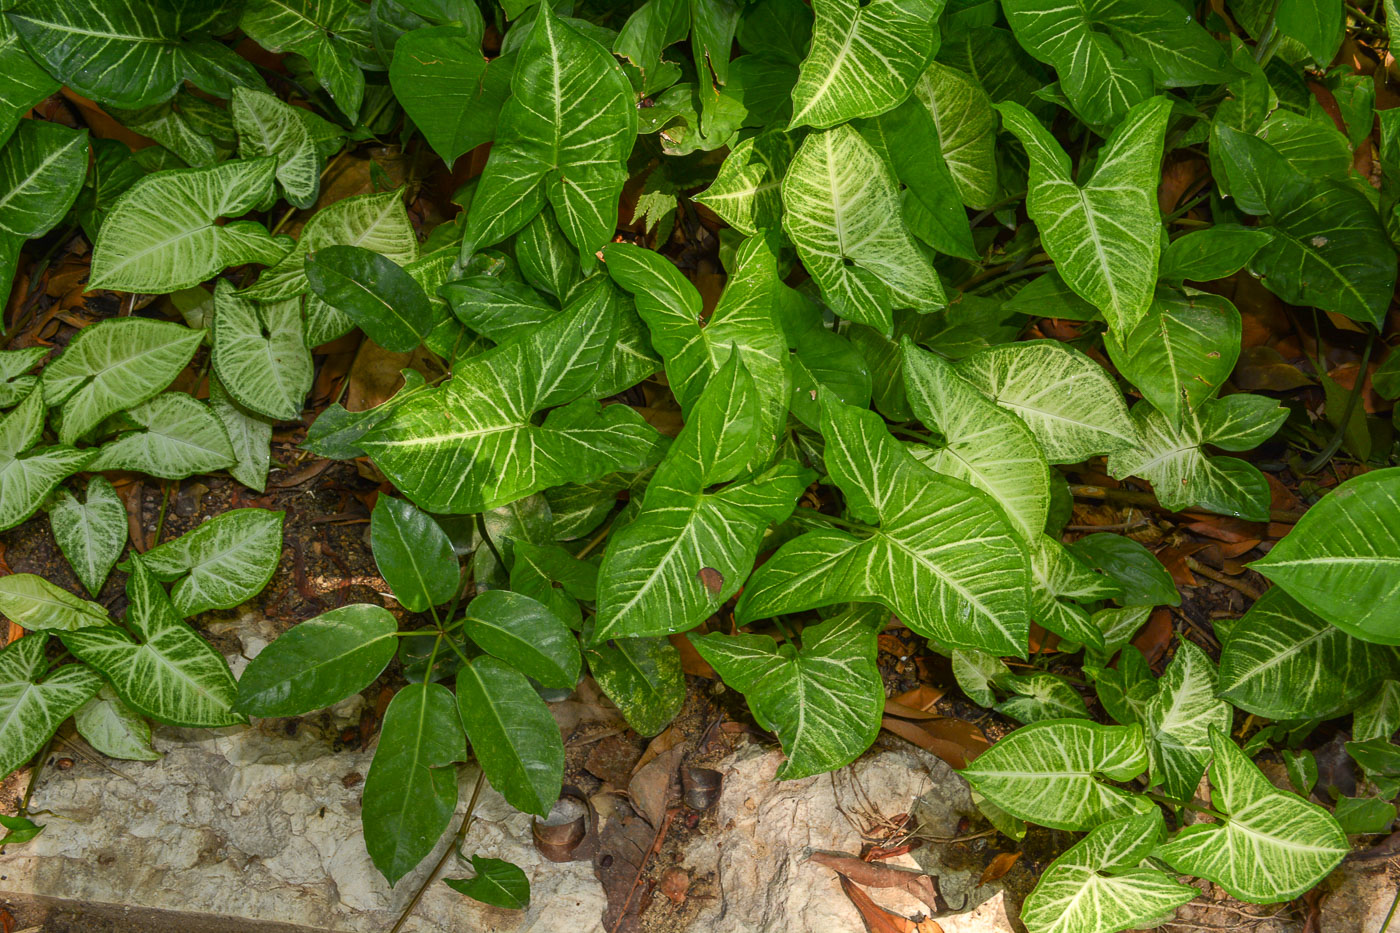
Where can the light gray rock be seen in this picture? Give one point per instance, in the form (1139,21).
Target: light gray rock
(1360,898)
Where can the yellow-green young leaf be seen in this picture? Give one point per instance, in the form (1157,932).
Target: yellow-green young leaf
(249,434)
(1182,350)
(22,82)
(695,348)
(31,709)
(1068,400)
(267,126)
(967,130)
(319,662)
(1178,721)
(163,233)
(823,699)
(411,789)
(563,138)
(944,558)
(984,444)
(864,58)
(525,634)
(513,735)
(1102,884)
(842,211)
(33,603)
(27,478)
(332,35)
(1342,560)
(1174,459)
(1055,773)
(14,364)
(223,562)
(91,534)
(643,677)
(472,444)
(1107,52)
(1104,235)
(1283,662)
(41,169)
(1057,575)
(1269,846)
(178,437)
(171,674)
(746,193)
(135,53)
(689,550)
(115,364)
(110,726)
(260,353)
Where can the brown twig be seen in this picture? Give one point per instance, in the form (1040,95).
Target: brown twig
(641,869)
(1212,574)
(1129,497)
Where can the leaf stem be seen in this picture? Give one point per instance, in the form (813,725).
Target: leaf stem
(814,519)
(1195,807)
(596,540)
(454,847)
(34,773)
(1339,435)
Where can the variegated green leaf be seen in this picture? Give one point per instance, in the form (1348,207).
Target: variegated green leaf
(22,82)
(1074,408)
(14,364)
(260,353)
(223,562)
(163,234)
(747,191)
(1103,884)
(643,677)
(28,476)
(1283,662)
(944,558)
(864,58)
(824,699)
(91,534)
(332,35)
(1179,719)
(842,211)
(249,434)
(1104,235)
(178,436)
(1268,845)
(1040,697)
(41,169)
(31,710)
(689,550)
(113,729)
(984,445)
(1378,717)
(1055,773)
(171,674)
(1058,575)
(472,444)
(967,130)
(115,364)
(33,603)
(267,126)
(563,138)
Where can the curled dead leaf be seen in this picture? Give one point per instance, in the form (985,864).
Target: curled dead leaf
(954,740)
(998,867)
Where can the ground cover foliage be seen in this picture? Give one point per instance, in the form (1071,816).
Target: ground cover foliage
(970,247)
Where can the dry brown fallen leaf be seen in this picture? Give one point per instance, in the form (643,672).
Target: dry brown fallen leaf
(881,920)
(915,704)
(998,867)
(879,875)
(955,741)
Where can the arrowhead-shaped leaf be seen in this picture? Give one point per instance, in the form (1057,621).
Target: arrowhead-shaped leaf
(823,699)
(41,169)
(1052,773)
(319,662)
(260,353)
(1283,662)
(115,364)
(864,58)
(31,710)
(1101,885)
(1057,575)
(26,479)
(984,445)
(332,35)
(1179,719)
(223,562)
(746,193)
(110,726)
(689,550)
(471,444)
(91,534)
(1104,235)
(1270,846)
(944,558)
(267,126)
(411,789)
(496,882)
(967,130)
(842,211)
(14,364)
(249,434)
(513,736)
(563,138)
(179,437)
(171,674)
(35,604)
(1068,400)
(163,234)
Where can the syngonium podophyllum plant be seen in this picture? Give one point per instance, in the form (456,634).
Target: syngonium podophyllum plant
(901,188)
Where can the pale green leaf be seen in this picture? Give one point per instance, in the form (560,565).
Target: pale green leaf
(113,729)
(843,214)
(1055,773)
(35,604)
(91,534)
(1104,235)
(223,562)
(1068,401)
(259,353)
(746,193)
(14,364)
(249,434)
(268,127)
(1178,721)
(27,478)
(1271,845)
(177,436)
(1378,717)
(1040,697)
(332,35)
(163,233)
(967,130)
(31,709)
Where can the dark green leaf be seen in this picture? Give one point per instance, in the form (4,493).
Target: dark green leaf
(513,736)
(414,555)
(374,292)
(497,882)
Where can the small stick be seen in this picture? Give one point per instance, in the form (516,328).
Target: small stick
(1129,497)
(1219,577)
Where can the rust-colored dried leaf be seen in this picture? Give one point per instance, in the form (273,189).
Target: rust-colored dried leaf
(998,867)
